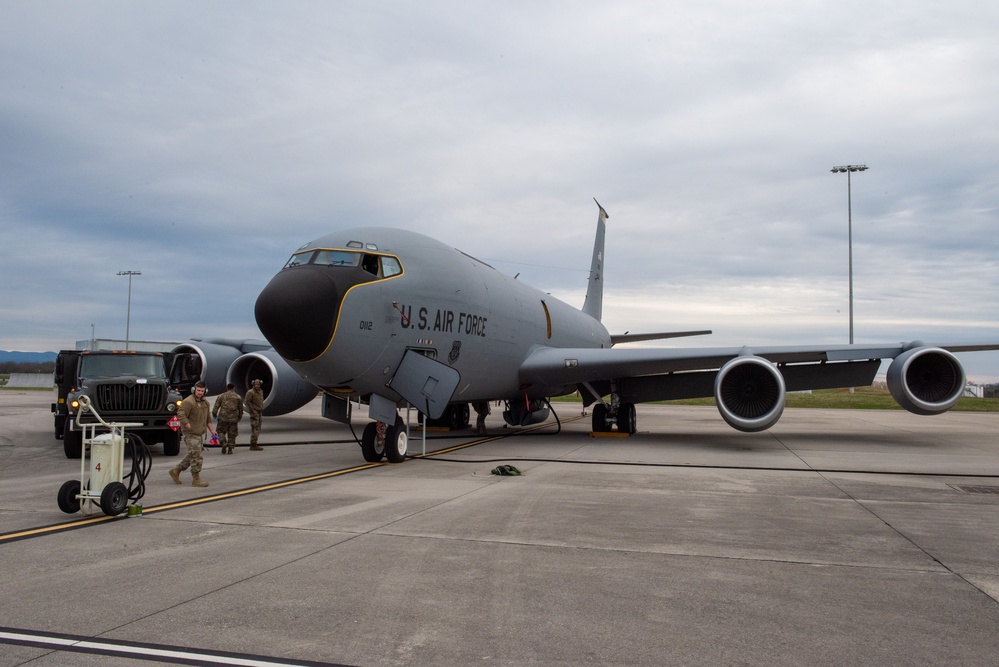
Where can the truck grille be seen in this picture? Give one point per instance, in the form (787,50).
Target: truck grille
(129,397)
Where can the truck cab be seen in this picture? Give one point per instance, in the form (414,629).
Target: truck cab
(130,386)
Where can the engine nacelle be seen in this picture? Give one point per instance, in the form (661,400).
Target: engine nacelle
(518,413)
(214,359)
(284,390)
(926,380)
(750,393)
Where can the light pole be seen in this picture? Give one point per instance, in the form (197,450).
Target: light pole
(128,316)
(849,169)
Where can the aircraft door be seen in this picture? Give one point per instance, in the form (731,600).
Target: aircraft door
(426,384)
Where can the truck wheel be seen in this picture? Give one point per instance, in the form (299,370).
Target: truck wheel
(72,442)
(171,443)
(68,502)
(114,498)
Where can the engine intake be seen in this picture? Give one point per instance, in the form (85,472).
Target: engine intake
(284,390)
(750,393)
(926,380)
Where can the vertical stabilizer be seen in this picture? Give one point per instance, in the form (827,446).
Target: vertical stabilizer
(593,305)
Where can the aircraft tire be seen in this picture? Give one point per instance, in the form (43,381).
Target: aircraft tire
(599,418)
(461,414)
(627,418)
(72,442)
(114,498)
(68,502)
(396,442)
(372,451)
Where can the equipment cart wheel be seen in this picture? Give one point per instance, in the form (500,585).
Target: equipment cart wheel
(114,498)
(396,442)
(68,502)
(372,450)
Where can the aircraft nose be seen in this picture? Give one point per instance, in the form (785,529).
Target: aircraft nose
(297,312)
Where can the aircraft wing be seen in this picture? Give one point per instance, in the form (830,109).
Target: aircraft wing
(555,366)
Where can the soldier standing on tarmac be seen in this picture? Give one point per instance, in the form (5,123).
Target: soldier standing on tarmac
(228,410)
(255,406)
(195,419)
(481,409)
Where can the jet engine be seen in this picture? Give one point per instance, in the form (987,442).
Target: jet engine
(926,380)
(284,390)
(215,359)
(750,393)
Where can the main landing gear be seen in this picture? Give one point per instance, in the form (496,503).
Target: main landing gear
(606,417)
(381,440)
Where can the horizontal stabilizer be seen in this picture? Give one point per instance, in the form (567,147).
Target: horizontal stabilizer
(634,338)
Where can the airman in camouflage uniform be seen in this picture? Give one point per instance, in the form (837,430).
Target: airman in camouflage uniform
(255,406)
(195,419)
(228,410)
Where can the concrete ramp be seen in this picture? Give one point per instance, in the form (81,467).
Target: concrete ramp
(30,381)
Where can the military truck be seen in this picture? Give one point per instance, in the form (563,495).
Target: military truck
(139,387)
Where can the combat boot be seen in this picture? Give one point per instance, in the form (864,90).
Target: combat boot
(256,448)
(175,475)
(197,481)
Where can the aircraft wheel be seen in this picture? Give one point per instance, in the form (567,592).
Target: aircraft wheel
(72,442)
(171,443)
(114,498)
(396,442)
(599,418)
(627,420)
(372,450)
(68,502)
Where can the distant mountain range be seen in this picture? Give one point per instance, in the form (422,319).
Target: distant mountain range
(27,357)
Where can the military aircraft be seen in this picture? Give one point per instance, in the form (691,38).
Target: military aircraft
(389,317)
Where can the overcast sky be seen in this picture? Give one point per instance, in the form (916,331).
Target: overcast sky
(201,143)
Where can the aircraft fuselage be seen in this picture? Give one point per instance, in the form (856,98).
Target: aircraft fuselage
(349,305)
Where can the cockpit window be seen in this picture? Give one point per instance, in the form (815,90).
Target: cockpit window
(380,266)
(298,259)
(390,267)
(336,258)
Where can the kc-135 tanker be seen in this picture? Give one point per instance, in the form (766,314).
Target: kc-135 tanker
(388,317)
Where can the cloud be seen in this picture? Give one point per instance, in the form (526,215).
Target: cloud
(202,144)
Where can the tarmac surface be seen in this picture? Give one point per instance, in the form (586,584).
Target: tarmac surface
(835,538)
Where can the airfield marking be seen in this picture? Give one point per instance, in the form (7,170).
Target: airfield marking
(145,651)
(81,523)
(92,520)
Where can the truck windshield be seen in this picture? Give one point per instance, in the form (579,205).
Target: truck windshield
(113,365)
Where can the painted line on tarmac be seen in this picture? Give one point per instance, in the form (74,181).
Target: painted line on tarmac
(488,438)
(190,502)
(142,651)
(82,523)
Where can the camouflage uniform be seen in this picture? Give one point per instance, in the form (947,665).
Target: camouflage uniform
(195,416)
(228,410)
(255,406)
(481,409)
